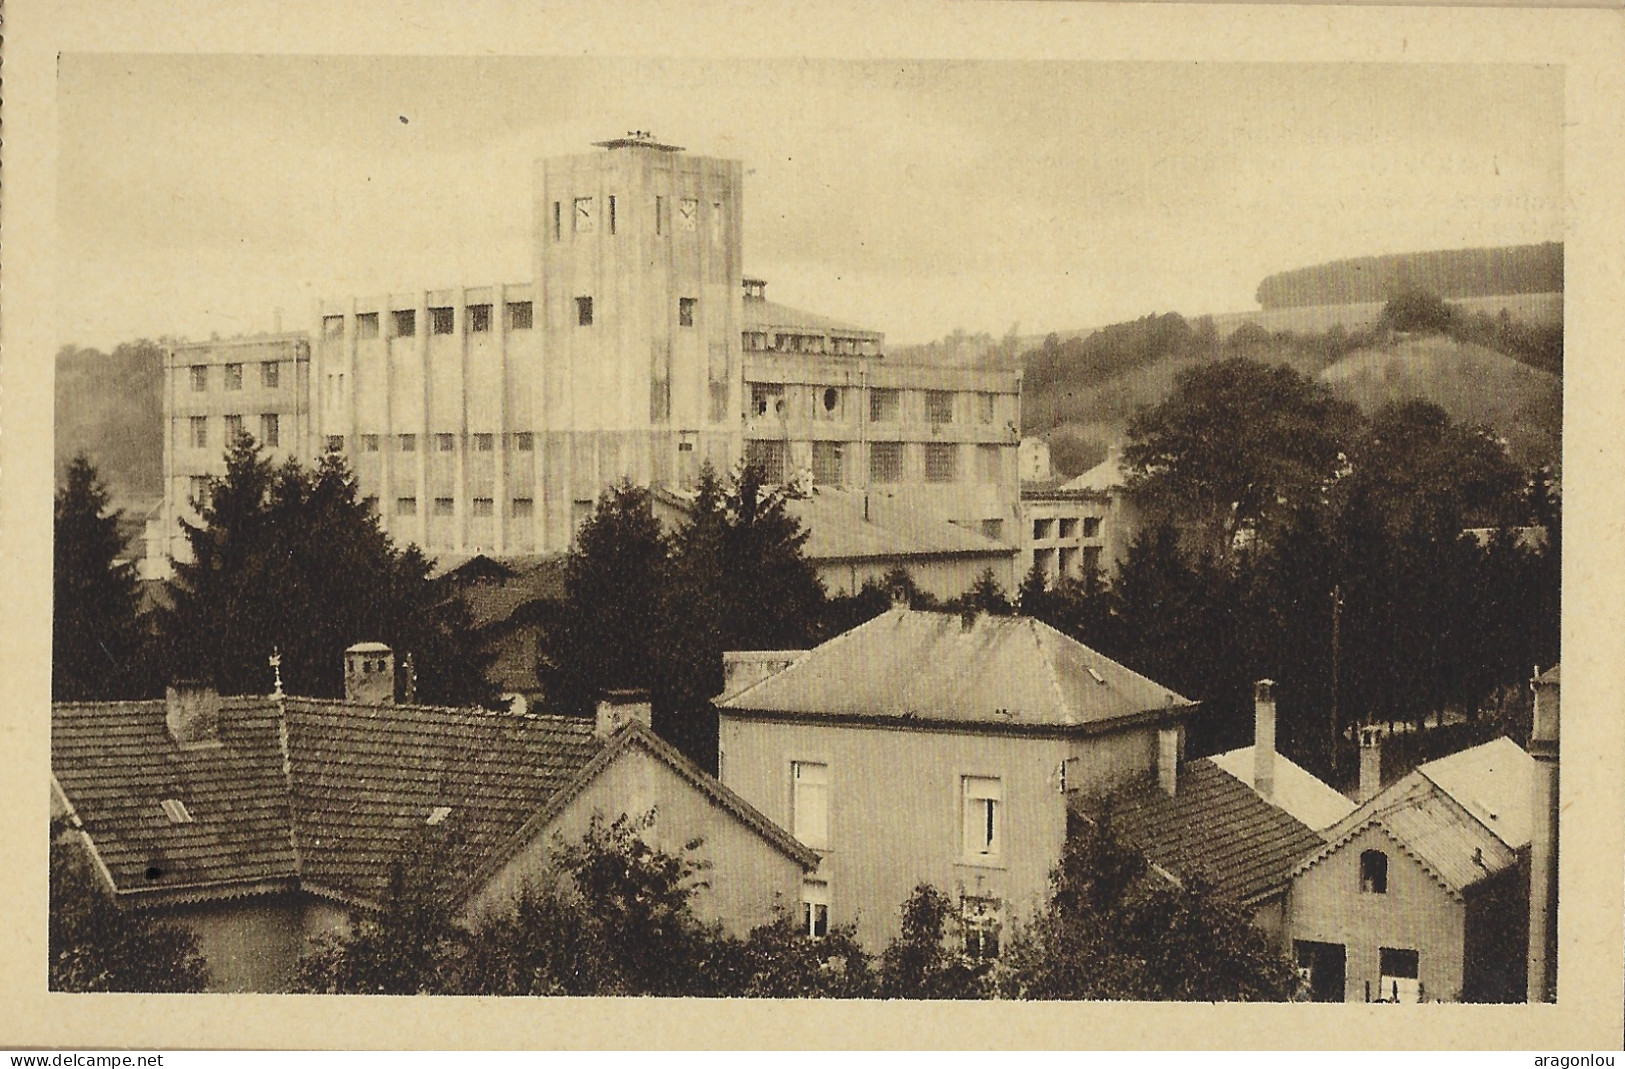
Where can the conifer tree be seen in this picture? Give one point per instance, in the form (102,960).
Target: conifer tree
(95,639)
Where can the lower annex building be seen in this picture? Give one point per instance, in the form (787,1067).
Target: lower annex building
(487,419)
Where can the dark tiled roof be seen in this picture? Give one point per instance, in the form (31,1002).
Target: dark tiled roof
(923,667)
(331,793)
(116,763)
(1216,825)
(367,778)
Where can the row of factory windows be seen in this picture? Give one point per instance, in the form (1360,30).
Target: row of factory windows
(478,507)
(941,462)
(270,376)
(236,426)
(1065,527)
(885,403)
(444,442)
(761,341)
(442,320)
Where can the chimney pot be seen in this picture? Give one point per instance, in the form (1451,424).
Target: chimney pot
(369,674)
(1264,738)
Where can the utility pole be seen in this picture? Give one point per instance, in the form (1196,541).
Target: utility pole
(1337,612)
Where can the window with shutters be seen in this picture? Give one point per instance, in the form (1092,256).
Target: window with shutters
(809,803)
(983,799)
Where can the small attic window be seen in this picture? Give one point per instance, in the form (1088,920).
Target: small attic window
(438,814)
(175,810)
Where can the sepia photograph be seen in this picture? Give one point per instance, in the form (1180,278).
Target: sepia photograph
(796,527)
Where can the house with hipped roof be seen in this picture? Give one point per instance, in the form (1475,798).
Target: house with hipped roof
(1422,892)
(259,822)
(939,748)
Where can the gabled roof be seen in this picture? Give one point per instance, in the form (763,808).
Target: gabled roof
(1451,837)
(327,795)
(1105,477)
(925,667)
(1297,790)
(1215,825)
(116,763)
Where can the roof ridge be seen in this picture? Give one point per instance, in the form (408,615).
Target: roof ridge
(468,710)
(731,700)
(1049,664)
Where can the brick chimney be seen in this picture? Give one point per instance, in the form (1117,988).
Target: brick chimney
(1264,739)
(746,668)
(1168,759)
(1370,763)
(619,707)
(369,674)
(192,712)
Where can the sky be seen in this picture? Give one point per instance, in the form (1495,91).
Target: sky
(201,194)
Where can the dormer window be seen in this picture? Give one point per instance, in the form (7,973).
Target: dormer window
(175,810)
(1373,872)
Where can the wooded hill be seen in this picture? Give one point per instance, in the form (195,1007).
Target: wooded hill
(1451,273)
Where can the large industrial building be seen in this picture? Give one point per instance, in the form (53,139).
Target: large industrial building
(487,419)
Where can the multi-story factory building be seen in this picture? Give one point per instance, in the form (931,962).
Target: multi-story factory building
(487,419)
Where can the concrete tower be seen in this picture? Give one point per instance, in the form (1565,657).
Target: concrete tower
(639,285)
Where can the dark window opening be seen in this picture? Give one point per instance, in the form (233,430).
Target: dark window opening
(583,311)
(479,319)
(685,311)
(441,321)
(519,315)
(1374,872)
(406,323)
(366,325)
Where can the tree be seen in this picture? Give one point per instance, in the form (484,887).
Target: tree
(95,639)
(291,560)
(615,581)
(918,964)
(1233,446)
(1114,928)
(96,946)
(1418,309)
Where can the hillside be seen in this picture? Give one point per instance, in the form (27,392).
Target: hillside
(110,406)
(1451,273)
(1472,383)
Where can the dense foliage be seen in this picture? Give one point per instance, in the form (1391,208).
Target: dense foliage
(1114,928)
(96,946)
(292,560)
(1453,273)
(647,610)
(96,642)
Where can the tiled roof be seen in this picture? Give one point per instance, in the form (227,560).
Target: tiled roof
(367,777)
(770,315)
(330,793)
(1215,825)
(1297,790)
(116,764)
(919,667)
(1462,833)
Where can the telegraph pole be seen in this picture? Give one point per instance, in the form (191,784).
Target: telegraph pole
(1337,612)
